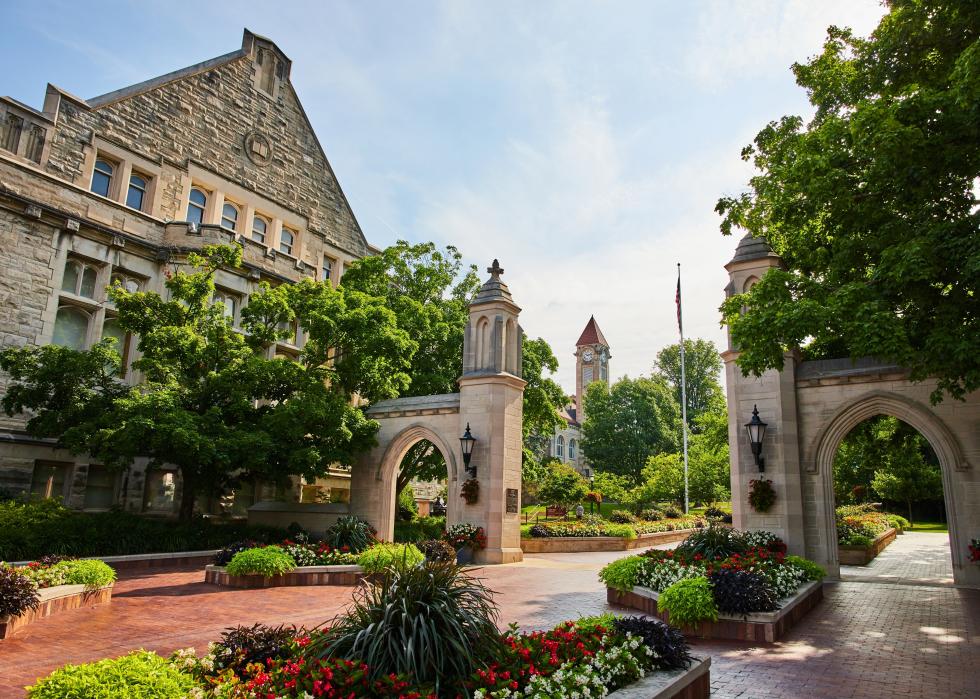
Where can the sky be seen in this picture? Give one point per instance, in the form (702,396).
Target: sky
(584,144)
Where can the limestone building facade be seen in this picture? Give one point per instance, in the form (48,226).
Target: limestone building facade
(121,187)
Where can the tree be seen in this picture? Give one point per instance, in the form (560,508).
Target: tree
(702,365)
(872,205)
(210,403)
(563,486)
(543,397)
(628,423)
(909,478)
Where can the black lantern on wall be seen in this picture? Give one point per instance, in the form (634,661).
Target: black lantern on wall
(757,432)
(466,443)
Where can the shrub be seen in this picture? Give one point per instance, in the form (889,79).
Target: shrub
(670,649)
(811,570)
(539,531)
(18,593)
(590,624)
(352,532)
(408,509)
(224,555)
(898,522)
(139,674)
(268,561)
(242,645)
(714,512)
(90,573)
(623,531)
(673,512)
(858,540)
(689,602)
(622,517)
(437,550)
(623,573)
(421,529)
(651,515)
(713,541)
(727,518)
(433,623)
(742,592)
(387,557)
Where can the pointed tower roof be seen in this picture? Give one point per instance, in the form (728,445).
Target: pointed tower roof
(493,288)
(592,335)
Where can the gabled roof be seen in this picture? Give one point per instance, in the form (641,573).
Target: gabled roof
(592,335)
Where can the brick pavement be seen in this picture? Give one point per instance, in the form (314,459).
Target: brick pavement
(867,639)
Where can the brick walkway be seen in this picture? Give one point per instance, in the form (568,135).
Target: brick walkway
(867,639)
(912,559)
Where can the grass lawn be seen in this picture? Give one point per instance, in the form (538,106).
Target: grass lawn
(930,527)
(606,508)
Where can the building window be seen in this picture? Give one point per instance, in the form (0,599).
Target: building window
(35,143)
(572,449)
(102,177)
(13,125)
(286,241)
(161,491)
(259,228)
(137,192)
(130,284)
(293,337)
(196,205)
(228,301)
(49,480)
(560,447)
(80,279)
(100,488)
(326,272)
(122,344)
(71,328)
(229,217)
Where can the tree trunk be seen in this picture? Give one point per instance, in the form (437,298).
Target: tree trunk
(909,503)
(188,494)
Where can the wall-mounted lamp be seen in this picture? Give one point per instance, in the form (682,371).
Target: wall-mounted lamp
(757,432)
(466,443)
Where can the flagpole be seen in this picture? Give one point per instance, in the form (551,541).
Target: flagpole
(680,326)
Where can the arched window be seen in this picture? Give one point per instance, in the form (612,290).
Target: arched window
(560,447)
(137,192)
(196,205)
(259,228)
(229,216)
(572,449)
(230,303)
(130,284)
(111,328)
(71,328)
(79,279)
(286,241)
(102,177)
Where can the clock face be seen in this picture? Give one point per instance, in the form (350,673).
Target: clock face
(587,355)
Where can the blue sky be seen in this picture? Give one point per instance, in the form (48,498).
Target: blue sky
(583,143)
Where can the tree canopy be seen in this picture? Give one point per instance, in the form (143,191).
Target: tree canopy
(873,204)
(702,367)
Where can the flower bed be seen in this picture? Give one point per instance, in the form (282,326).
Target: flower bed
(863,532)
(720,583)
(299,576)
(863,555)
(593,533)
(51,585)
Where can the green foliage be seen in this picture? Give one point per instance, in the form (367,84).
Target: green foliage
(898,522)
(437,550)
(871,204)
(612,486)
(382,558)
(563,486)
(242,645)
(628,423)
(90,573)
(688,602)
(431,622)
(622,517)
(762,496)
(421,529)
(909,478)
(18,593)
(713,541)
(543,397)
(140,674)
(857,540)
(268,561)
(702,369)
(422,462)
(589,623)
(624,531)
(408,509)
(31,530)
(811,570)
(622,573)
(350,531)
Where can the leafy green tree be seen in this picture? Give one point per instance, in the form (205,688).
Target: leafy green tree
(909,478)
(543,397)
(563,485)
(210,403)
(628,423)
(612,487)
(872,204)
(702,368)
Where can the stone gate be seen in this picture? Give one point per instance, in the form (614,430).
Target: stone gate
(810,406)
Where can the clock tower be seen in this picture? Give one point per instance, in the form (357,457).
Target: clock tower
(591,363)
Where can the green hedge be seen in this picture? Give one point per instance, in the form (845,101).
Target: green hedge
(31,530)
(140,674)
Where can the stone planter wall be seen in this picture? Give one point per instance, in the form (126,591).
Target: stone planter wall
(579,544)
(763,627)
(148,561)
(863,555)
(693,683)
(54,600)
(302,576)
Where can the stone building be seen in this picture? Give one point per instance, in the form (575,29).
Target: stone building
(124,185)
(591,364)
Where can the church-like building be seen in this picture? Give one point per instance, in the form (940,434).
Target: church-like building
(591,364)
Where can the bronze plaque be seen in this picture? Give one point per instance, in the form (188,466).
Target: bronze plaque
(512,504)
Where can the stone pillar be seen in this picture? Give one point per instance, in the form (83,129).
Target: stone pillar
(775,395)
(491,402)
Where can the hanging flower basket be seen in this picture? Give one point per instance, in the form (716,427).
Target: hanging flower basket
(974,548)
(470,491)
(762,496)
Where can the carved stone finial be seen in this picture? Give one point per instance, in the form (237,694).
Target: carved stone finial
(495,270)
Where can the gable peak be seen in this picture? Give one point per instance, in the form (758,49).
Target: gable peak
(592,335)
